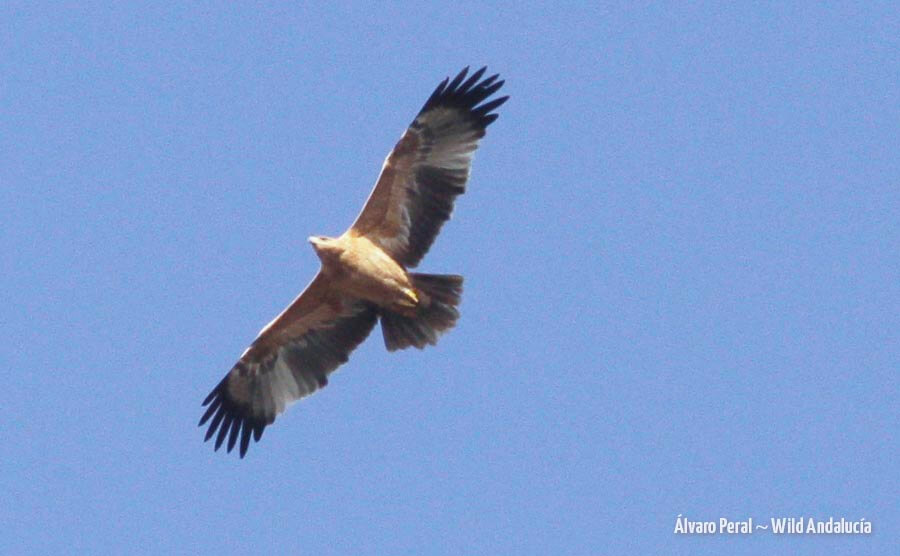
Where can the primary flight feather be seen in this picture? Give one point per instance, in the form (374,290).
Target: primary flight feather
(364,273)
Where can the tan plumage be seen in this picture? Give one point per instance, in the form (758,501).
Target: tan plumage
(364,274)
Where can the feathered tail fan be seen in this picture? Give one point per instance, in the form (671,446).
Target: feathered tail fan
(439,294)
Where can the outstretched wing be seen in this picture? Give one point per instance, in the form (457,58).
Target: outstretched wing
(428,168)
(291,358)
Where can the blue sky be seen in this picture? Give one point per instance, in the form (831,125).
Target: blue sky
(680,244)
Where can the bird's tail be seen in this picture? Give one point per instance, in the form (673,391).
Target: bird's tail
(439,295)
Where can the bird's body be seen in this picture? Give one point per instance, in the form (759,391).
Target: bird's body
(359,268)
(364,275)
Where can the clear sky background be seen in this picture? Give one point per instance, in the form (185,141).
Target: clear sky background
(680,244)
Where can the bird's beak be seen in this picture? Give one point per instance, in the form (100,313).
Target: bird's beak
(313,240)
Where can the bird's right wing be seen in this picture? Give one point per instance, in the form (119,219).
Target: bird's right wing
(291,358)
(428,168)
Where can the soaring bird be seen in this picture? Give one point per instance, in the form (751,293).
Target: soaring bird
(364,274)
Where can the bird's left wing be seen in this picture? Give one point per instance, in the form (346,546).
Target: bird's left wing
(291,358)
(428,168)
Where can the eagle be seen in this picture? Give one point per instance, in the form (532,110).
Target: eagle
(364,275)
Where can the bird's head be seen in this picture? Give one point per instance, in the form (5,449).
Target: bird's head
(324,246)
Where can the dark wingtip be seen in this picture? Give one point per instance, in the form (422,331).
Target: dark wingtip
(223,430)
(210,397)
(245,438)
(233,435)
(468,95)
(485,111)
(215,424)
(209,412)
(473,79)
(228,419)
(458,79)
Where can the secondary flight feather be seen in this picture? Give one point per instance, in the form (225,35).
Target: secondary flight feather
(364,274)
